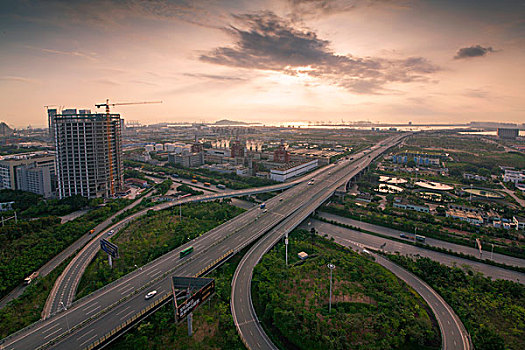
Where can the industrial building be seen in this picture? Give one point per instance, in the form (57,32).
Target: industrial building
(291,170)
(34,172)
(88,153)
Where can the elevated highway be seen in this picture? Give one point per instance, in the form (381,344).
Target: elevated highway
(101,316)
(245,319)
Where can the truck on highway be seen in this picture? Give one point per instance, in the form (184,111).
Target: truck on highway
(31,278)
(420,238)
(194,181)
(207,184)
(263,205)
(221,186)
(91,231)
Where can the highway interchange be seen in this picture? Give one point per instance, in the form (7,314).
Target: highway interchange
(91,319)
(454,335)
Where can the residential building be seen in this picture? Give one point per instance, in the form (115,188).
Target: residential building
(51,112)
(36,179)
(281,155)
(291,170)
(508,133)
(187,159)
(237,149)
(88,154)
(519,222)
(513,175)
(34,172)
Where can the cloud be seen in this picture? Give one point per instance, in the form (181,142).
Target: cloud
(301,9)
(74,53)
(19,79)
(473,51)
(214,77)
(264,41)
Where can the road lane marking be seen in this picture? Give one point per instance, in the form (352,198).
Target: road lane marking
(121,311)
(50,328)
(89,340)
(82,336)
(95,309)
(127,315)
(90,306)
(50,334)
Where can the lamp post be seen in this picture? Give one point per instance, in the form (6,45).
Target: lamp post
(286,246)
(492,252)
(331,267)
(65,309)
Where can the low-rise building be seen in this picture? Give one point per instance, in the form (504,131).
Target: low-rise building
(465,214)
(519,222)
(188,160)
(475,177)
(136,182)
(291,170)
(411,206)
(514,176)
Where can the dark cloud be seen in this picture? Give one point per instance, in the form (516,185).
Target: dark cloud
(473,51)
(301,9)
(267,42)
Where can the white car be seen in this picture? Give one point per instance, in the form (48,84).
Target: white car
(111,232)
(150,294)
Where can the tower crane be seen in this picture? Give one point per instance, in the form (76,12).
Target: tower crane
(110,156)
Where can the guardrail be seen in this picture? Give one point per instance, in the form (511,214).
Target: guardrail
(162,299)
(124,325)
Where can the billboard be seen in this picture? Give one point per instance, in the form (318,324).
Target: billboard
(205,287)
(109,248)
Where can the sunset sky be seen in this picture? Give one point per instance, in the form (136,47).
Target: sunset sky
(266,61)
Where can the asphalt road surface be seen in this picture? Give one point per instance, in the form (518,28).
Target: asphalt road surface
(92,317)
(389,232)
(344,236)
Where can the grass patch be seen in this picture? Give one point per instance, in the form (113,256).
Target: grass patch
(371,308)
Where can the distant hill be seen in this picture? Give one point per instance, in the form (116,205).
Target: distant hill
(5,130)
(229,122)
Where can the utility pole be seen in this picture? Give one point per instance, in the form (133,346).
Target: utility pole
(331,267)
(286,245)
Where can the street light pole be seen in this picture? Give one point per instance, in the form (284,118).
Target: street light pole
(492,252)
(65,309)
(331,267)
(286,245)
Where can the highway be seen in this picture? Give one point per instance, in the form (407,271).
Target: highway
(99,315)
(244,316)
(453,333)
(66,253)
(344,236)
(64,289)
(390,232)
(124,297)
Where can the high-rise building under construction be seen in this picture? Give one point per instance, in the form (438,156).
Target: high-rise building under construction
(88,153)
